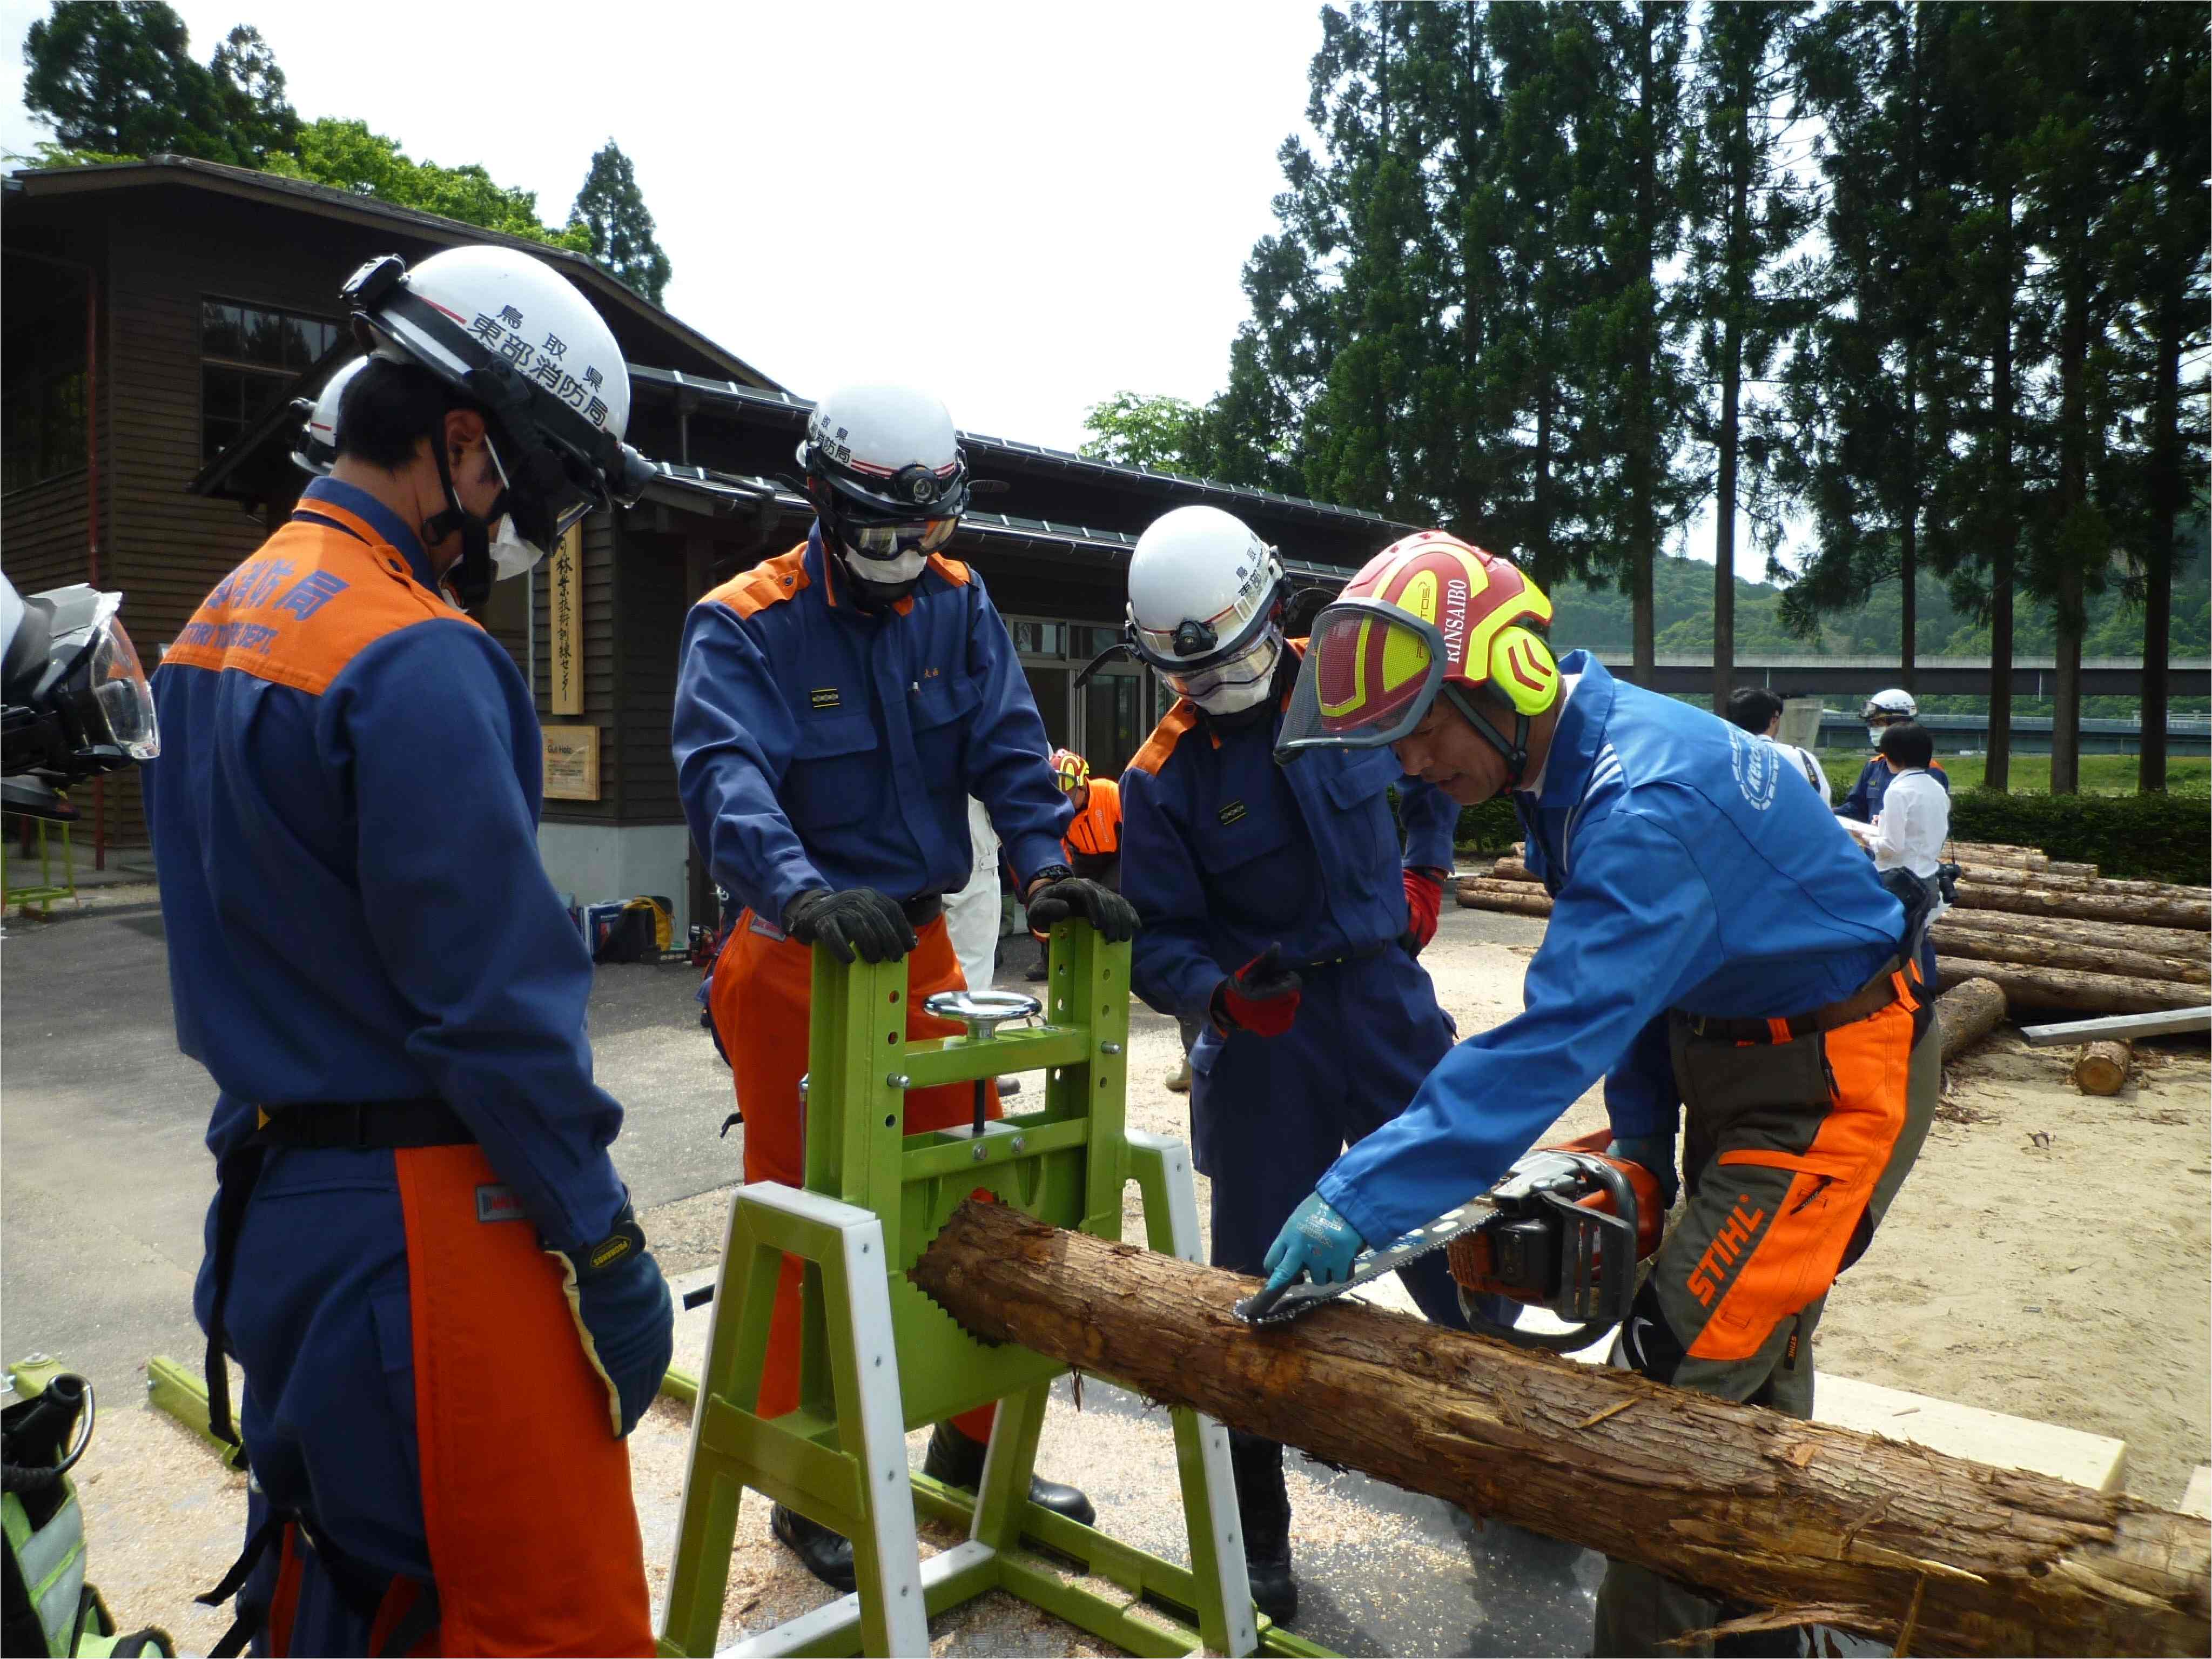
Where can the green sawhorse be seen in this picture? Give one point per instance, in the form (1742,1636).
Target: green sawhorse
(879,1357)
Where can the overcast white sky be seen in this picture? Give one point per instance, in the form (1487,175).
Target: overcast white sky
(1026,207)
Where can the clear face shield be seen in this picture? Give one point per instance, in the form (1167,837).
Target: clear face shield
(531,522)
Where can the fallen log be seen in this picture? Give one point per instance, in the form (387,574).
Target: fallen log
(2101,1068)
(2078,992)
(1512,870)
(2121,936)
(2087,953)
(1756,1507)
(1966,1014)
(2142,909)
(1513,897)
(1996,875)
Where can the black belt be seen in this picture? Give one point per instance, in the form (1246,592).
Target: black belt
(923,909)
(1362,953)
(1877,994)
(425,1121)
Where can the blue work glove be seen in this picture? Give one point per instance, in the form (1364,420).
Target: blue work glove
(1316,1241)
(624,1318)
(1656,1154)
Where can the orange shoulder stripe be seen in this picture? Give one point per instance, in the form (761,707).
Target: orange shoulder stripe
(952,569)
(303,606)
(769,582)
(1173,726)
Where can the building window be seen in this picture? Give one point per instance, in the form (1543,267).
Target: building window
(248,356)
(43,423)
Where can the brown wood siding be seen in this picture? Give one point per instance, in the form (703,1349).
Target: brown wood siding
(654,603)
(42,535)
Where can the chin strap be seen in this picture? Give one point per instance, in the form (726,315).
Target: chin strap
(471,575)
(1514,751)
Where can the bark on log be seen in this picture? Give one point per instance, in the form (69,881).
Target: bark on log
(1968,1012)
(1513,897)
(2139,909)
(2184,942)
(1757,1507)
(2102,1067)
(2088,954)
(1997,852)
(1995,875)
(2077,993)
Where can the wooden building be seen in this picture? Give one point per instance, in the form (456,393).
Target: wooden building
(161,317)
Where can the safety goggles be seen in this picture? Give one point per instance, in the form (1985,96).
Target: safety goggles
(1255,662)
(1371,674)
(549,503)
(880,540)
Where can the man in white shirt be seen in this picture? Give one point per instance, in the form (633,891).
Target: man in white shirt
(1759,711)
(1907,839)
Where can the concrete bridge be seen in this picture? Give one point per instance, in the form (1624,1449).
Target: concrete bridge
(2032,677)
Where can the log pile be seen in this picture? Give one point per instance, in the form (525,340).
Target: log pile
(1927,1553)
(2049,934)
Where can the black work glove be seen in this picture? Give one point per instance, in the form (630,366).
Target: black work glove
(859,919)
(1059,895)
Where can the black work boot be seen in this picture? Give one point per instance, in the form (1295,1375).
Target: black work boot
(1263,1510)
(828,1555)
(958,1460)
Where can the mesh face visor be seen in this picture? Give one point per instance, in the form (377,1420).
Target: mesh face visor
(1370,672)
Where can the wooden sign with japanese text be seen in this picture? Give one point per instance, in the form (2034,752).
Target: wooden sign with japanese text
(565,571)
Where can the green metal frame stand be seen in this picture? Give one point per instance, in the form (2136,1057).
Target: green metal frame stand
(879,1357)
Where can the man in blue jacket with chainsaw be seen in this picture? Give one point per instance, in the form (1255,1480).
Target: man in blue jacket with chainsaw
(1717,947)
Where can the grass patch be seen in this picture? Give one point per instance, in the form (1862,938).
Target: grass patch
(2101,775)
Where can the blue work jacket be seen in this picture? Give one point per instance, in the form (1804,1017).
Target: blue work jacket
(1685,875)
(818,744)
(1865,800)
(344,818)
(1225,853)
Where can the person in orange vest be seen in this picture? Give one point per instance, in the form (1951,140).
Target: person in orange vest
(1092,839)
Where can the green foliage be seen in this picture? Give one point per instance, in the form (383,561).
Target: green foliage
(116,81)
(619,231)
(347,155)
(2155,837)
(117,77)
(1493,827)
(1131,429)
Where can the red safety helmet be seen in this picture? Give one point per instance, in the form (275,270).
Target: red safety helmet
(1069,770)
(1428,614)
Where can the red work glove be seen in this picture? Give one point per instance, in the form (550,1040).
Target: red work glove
(1425,897)
(1261,996)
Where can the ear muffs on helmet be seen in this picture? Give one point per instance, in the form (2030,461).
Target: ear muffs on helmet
(1522,670)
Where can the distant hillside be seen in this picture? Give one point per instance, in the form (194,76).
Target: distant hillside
(1683,594)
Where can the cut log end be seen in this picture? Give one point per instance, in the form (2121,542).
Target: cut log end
(2102,1067)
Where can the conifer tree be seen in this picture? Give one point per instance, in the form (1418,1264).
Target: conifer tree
(612,209)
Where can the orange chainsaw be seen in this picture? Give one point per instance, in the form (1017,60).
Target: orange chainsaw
(1565,1230)
(1548,1234)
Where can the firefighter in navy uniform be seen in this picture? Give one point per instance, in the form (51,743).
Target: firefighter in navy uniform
(1716,951)
(835,709)
(1278,910)
(420,1252)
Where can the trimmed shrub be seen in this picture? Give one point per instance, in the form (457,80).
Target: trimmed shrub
(2134,837)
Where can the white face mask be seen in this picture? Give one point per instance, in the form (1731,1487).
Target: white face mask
(905,566)
(1873,736)
(1242,682)
(511,556)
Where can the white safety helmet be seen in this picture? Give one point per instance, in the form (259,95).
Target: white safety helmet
(517,339)
(1206,606)
(1895,704)
(887,480)
(317,450)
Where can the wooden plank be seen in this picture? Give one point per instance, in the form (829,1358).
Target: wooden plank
(2172,1022)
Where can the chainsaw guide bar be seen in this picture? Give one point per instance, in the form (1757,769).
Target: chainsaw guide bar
(1279,1307)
